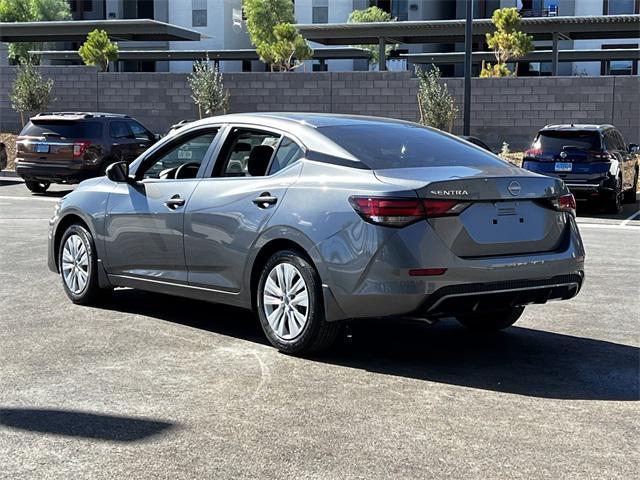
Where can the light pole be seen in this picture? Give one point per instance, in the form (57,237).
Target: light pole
(468,47)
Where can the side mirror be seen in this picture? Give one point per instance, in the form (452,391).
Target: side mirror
(633,148)
(157,136)
(118,172)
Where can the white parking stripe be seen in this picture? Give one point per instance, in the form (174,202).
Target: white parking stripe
(41,199)
(582,226)
(628,219)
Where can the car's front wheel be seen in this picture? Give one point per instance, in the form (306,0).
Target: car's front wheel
(36,186)
(290,305)
(491,321)
(77,262)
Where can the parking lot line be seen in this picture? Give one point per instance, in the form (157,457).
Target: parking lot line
(41,199)
(606,225)
(628,219)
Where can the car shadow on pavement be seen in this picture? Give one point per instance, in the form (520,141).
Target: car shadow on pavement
(519,360)
(82,424)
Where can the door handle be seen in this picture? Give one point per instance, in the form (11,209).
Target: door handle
(174,202)
(265,200)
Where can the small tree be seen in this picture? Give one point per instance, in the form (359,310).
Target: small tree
(98,50)
(506,42)
(31,11)
(277,42)
(287,50)
(29,92)
(437,106)
(372,14)
(207,88)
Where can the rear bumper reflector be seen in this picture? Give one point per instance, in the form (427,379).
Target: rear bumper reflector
(426,272)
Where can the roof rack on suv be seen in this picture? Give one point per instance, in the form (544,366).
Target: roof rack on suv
(83,114)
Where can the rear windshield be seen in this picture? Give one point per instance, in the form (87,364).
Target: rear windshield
(63,129)
(383,146)
(556,141)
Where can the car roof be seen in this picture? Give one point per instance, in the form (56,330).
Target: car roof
(76,115)
(577,127)
(304,126)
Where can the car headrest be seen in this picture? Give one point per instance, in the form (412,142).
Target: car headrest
(259,160)
(242,147)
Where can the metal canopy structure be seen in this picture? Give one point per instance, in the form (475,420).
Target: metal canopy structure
(535,56)
(215,55)
(77,30)
(452,31)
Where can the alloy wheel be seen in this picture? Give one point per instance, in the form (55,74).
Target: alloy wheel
(286,301)
(75,264)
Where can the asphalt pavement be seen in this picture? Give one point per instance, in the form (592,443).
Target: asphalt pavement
(151,386)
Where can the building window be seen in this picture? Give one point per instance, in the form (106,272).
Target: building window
(199,13)
(87,6)
(73,5)
(619,67)
(320,11)
(621,7)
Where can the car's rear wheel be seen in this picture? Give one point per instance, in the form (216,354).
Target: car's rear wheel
(290,305)
(630,195)
(37,186)
(77,262)
(491,321)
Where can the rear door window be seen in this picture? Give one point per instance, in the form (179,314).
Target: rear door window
(556,140)
(63,129)
(382,145)
(119,129)
(247,153)
(288,152)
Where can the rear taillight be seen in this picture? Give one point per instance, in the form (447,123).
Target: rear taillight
(399,212)
(532,152)
(79,147)
(565,203)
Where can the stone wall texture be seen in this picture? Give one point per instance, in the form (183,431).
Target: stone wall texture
(510,110)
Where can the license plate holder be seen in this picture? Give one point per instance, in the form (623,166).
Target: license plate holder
(563,166)
(42,148)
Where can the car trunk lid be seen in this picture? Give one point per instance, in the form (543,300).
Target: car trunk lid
(503,214)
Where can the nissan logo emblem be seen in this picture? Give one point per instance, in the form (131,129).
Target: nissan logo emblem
(514,188)
(563,154)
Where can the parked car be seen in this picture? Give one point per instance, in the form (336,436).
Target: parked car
(311,219)
(3,156)
(476,141)
(173,128)
(593,160)
(68,147)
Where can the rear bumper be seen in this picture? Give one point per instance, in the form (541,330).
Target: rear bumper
(68,172)
(383,286)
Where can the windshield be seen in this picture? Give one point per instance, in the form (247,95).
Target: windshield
(555,141)
(63,129)
(385,145)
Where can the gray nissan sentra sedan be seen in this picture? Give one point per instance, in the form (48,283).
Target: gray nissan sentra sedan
(312,219)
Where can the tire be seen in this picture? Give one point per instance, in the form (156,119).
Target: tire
(36,186)
(74,267)
(491,321)
(613,204)
(630,195)
(298,328)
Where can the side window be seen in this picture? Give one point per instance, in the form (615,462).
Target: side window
(247,153)
(182,160)
(119,129)
(139,131)
(288,152)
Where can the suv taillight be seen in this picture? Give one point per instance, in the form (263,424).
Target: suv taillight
(399,212)
(79,147)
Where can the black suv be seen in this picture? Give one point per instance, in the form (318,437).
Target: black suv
(68,147)
(593,160)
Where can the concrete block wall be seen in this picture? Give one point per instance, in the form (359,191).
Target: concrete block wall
(507,109)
